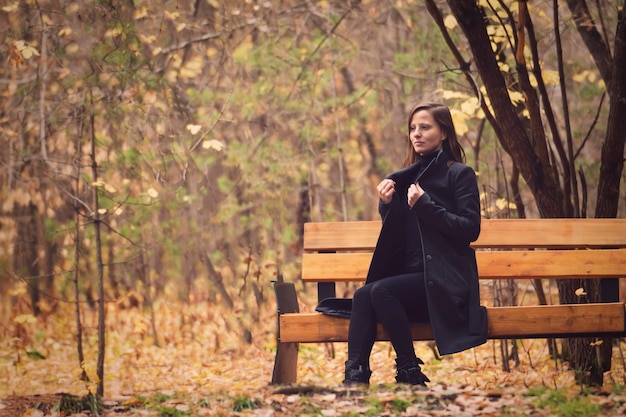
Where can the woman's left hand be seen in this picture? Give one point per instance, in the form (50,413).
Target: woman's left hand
(414,193)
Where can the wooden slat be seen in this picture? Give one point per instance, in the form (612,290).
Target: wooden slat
(321,267)
(329,236)
(552,233)
(504,322)
(495,233)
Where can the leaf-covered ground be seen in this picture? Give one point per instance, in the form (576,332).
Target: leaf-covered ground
(203,368)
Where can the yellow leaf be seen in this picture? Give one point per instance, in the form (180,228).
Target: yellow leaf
(470,106)
(193,128)
(580,292)
(213,144)
(27,53)
(25,319)
(580,77)
(171,16)
(17,291)
(140,12)
(460,124)
(242,51)
(501,203)
(113,33)
(192,68)
(449,94)
(450,21)
(516,96)
(11,7)
(72,48)
(65,31)
(550,77)
(110,188)
(504,67)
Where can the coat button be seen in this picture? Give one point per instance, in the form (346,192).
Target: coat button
(431,284)
(429,258)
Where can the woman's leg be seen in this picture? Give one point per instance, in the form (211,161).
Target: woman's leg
(361,337)
(397,301)
(362,330)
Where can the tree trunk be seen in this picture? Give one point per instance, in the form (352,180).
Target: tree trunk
(529,155)
(613,146)
(26,258)
(592,38)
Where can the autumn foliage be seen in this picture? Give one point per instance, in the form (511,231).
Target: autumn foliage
(159,159)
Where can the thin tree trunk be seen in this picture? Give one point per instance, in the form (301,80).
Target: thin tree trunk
(99,266)
(79,326)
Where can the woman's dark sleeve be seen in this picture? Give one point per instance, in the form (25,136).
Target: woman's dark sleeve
(464,223)
(383,208)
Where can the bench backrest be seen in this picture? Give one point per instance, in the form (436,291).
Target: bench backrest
(506,248)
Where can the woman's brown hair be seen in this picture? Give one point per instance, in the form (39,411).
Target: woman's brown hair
(443,118)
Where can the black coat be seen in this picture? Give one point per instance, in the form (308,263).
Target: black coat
(448,218)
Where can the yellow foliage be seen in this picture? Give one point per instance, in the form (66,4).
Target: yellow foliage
(450,22)
(25,49)
(459,120)
(550,77)
(25,319)
(241,52)
(452,94)
(585,76)
(9,8)
(213,144)
(516,96)
(470,106)
(503,203)
(193,128)
(192,68)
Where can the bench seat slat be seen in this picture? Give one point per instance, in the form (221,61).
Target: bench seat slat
(495,233)
(504,322)
(321,267)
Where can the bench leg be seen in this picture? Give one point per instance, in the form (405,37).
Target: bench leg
(286,362)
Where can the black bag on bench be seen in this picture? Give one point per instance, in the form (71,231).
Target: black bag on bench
(336,307)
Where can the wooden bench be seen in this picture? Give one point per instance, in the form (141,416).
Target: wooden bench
(337,252)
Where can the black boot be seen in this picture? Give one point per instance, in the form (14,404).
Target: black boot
(409,372)
(357,373)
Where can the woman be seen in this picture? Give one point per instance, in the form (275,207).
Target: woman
(423,268)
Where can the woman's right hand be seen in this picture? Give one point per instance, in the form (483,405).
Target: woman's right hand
(386,189)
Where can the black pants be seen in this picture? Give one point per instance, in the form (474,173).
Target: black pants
(394,302)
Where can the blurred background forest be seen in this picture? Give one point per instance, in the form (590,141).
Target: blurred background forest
(167,152)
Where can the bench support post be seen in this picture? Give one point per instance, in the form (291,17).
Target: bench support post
(286,361)
(609,293)
(325,290)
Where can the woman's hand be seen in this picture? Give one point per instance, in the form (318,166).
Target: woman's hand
(386,189)
(414,193)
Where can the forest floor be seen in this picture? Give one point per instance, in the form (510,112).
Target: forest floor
(202,367)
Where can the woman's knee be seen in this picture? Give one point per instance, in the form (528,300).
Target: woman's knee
(379,289)
(362,294)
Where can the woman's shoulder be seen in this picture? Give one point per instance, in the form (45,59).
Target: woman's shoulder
(459,167)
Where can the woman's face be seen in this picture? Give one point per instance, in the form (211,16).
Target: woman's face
(424,133)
